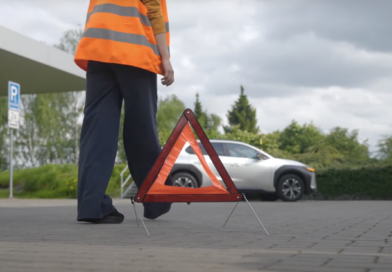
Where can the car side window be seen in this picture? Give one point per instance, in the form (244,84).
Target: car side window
(218,149)
(217,146)
(241,151)
(189,150)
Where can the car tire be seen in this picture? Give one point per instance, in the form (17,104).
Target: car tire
(290,188)
(184,179)
(269,197)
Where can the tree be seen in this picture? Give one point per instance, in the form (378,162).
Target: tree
(198,111)
(200,115)
(44,135)
(74,113)
(212,125)
(51,116)
(169,112)
(28,139)
(270,141)
(321,156)
(69,42)
(49,132)
(308,144)
(209,122)
(3,133)
(236,134)
(243,114)
(385,148)
(348,144)
(296,139)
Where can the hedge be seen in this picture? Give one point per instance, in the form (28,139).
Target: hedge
(60,181)
(362,183)
(52,181)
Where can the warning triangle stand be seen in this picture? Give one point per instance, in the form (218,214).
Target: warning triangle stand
(154,189)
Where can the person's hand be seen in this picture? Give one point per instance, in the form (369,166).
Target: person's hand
(168,79)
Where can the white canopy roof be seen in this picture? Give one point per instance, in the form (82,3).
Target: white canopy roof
(37,67)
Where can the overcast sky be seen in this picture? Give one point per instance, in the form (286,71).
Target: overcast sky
(323,61)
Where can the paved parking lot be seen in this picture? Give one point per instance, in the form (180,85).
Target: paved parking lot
(40,235)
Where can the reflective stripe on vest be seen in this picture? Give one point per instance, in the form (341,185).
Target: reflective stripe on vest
(114,24)
(107,34)
(123,11)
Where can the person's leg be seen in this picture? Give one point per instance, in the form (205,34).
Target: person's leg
(98,141)
(139,89)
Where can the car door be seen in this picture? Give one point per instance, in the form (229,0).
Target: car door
(246,169)
(219,149)
(194,160)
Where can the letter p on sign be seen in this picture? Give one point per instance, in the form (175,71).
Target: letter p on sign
(13,95)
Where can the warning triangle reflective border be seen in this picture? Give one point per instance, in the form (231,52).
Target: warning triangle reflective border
(153,188)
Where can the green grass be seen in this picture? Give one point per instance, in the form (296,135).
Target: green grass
(52,181)
(4,193)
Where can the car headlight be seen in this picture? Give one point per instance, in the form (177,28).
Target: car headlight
(309,169)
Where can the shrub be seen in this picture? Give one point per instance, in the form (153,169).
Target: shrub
(373,181)
(362,183)
(53,181)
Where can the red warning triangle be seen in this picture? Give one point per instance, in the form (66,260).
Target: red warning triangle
(154,189)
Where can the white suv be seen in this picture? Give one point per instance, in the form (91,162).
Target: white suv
(252,171)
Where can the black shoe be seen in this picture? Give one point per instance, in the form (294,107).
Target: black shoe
(154,210)
(113,218)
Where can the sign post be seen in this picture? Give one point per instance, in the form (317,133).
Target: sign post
(13,122)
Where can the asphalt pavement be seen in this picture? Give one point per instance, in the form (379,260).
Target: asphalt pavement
(347,236)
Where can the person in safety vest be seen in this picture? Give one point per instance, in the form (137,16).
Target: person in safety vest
(124,46)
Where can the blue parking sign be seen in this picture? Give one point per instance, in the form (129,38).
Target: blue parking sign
(13,95)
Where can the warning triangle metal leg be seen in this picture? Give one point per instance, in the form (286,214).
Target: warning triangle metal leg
(231,214)
(134,209)
(255,214)
(138,215)
(252,211)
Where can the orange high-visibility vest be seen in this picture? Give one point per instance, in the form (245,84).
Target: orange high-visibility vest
(119,31)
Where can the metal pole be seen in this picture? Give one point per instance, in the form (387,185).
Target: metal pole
(134,208)
(231,214)
(141,219)
(255,214)
(121,187)
(11,165)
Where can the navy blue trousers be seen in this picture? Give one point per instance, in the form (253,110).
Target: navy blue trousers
(108,85)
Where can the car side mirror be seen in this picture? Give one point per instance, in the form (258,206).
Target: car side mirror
(261,157)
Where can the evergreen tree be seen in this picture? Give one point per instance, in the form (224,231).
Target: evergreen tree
(243,115)
(209,122)
(198,111)
(200,115)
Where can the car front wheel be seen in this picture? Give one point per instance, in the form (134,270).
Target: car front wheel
(184,180)
(290,188)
